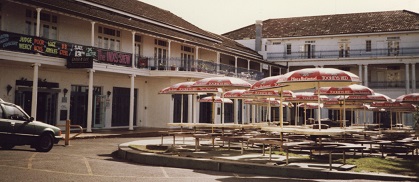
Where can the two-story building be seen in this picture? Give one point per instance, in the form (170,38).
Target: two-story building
(382,48)
(101,63)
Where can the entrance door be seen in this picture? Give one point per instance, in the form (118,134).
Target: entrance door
(46,108)
(120,106)
(78,104)
(99,116)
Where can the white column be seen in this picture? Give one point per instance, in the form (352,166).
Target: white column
(169,50)
(35,89)
(366,75)
(407,78)
(190,109)
(133,49)
(195,63)
(90,102)
(413,77)
(360,72)
(235,65)
(38,21)
(261,67)
(195,108)
(248,65)
(236,111)
(243,112)
(218,62)
(92,38)
(270,70)
(171,109)
(131,103)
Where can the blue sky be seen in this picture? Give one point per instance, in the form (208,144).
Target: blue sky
(221,16)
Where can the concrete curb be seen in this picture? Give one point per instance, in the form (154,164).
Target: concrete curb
(248,168)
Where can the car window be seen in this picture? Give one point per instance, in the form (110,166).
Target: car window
(1,111)
(12,112)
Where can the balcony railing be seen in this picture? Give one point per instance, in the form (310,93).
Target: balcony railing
(387,84)
(356,53)
(80,56)
(178,64)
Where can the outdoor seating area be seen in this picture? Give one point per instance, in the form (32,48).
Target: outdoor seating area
(316,136)
(338,144)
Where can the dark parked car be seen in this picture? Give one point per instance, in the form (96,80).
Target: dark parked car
(18,128)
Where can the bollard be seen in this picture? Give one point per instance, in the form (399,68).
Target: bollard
(67,132)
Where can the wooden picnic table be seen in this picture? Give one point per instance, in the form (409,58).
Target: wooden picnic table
(236,138)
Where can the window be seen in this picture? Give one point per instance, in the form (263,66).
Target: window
(393,46)
(49,24)
(344,49)
(288,49)
(187,56)
(368,46)
(160,53)
(14,113)
(109,38)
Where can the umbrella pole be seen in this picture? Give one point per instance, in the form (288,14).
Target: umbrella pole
(222,107)
(344,112)
(364,116)
(318,105)
(391,120)
(281,111)
(181,109)
(296,116)
(213,114)
(305,113)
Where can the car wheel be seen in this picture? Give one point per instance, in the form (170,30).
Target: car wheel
(7,146)
(45,143)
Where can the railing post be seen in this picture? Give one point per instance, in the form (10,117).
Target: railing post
(67,132)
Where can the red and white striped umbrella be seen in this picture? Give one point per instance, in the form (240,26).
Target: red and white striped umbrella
(394,106)
(305,97)
(268,93)
(354,89)
(377,97)
(409,98)
(317,78)
(187,88)
(235,94)
(310,105)
(224,83)
(216,99)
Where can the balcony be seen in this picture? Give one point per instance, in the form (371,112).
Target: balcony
(355,53)
(80,56)
(178,64)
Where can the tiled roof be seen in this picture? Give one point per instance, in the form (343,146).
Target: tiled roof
(373,22)
(201,38)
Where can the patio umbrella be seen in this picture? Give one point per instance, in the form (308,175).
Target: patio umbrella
(186,88)
(235,94)
(313,78)
(305,97)
(353,91)
(216,99)
(409,98)
(224,83)
(394,106)
(269,94)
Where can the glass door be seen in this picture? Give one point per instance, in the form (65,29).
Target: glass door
(99,111)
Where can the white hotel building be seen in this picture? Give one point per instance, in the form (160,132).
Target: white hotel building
(101,63)
(382,48)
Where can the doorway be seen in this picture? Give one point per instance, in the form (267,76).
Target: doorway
(46,108)
(79,102)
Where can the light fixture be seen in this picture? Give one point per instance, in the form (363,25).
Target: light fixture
(108,93)
(8,88)
(65,91)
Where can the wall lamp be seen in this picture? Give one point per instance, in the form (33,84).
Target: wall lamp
(8,88)
(65,91)
(108,93)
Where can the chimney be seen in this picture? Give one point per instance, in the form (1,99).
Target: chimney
(258,38)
